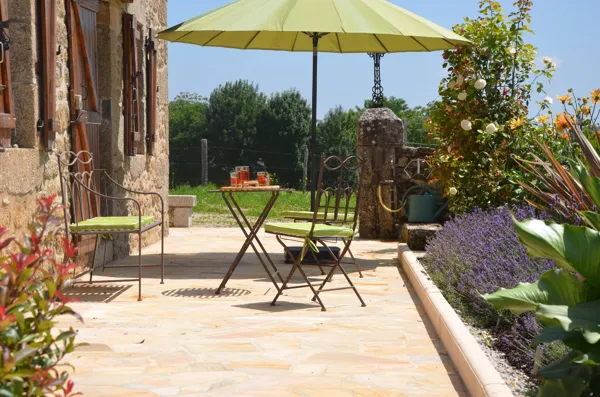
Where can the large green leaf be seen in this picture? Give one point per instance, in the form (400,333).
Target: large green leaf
(555,287)
(584,317)
(575,248)
(565,387)
(573,339)
(590,184)
(592,218)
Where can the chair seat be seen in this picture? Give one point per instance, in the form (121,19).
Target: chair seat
(105,223)
(303,230)
(320,215)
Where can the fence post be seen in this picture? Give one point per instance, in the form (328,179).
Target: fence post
(204,159)
(305,169)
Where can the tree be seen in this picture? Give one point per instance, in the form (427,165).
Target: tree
(336,133)
(233,111)
(187,126)
(282,133)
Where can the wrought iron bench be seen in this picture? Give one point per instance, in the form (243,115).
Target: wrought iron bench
(81,196)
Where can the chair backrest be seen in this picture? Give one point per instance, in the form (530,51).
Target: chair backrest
(78,183)
(338,191)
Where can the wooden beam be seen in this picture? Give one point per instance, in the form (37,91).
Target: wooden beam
(89,80)
(51,126)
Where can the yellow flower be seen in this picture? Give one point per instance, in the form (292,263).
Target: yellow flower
(542,119)
(516,123)
(565,98)
(566,136)
(563,122)
(595,96)
(585,99)
(586,110)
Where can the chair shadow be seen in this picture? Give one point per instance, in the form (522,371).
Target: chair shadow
(205,293)
(279,307)
(95,292)
(214,265)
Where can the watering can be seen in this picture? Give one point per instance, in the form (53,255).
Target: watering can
(422,208)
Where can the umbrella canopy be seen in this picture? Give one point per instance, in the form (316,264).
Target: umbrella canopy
(343,26)
(350,26)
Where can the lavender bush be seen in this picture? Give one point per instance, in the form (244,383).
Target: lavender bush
(477,253)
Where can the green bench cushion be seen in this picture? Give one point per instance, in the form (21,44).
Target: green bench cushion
(309,215)
(111,223)
(303,230)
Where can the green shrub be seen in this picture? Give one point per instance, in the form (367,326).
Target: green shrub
(481,124)
(31,284)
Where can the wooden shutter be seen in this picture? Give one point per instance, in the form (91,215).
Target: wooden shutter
(50,126)
(152,90)
(131,77)
(7,117)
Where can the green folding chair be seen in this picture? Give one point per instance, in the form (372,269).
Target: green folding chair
(338,204)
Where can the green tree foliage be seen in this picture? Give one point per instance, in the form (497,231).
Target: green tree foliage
(187,126)
(336,133)
(283,133)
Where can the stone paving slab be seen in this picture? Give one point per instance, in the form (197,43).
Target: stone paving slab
(182,340)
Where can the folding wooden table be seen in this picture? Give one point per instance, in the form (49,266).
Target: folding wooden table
(249,230)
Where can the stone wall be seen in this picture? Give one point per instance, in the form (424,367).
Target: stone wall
(29,171)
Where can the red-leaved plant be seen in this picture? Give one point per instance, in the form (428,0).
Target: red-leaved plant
(31,285)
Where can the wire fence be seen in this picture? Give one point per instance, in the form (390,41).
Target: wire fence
(204,163)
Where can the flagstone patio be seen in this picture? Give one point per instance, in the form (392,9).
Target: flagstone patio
(182,340)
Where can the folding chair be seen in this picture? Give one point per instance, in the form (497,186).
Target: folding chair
(339,206)
(82,199)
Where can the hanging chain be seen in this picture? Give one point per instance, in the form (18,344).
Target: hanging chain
(377,87)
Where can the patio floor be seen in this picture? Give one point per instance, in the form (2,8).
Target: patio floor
(182,340)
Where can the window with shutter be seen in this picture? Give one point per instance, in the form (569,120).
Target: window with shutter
(131,88)
(50,124)
(7,117)
(152,90)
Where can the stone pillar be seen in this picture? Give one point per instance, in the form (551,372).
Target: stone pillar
(380,132)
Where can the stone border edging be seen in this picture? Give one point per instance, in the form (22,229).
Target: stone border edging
(477,372)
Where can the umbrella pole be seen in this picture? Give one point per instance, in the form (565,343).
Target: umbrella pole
(313,139)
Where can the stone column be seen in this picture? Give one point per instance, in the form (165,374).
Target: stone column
(380,132)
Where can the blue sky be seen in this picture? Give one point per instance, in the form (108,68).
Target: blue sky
(564,30)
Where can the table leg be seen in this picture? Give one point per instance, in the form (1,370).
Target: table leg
(250,236)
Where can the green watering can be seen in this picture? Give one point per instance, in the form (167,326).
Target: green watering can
(422,208)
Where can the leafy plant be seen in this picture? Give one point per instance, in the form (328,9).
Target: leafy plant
(567,300)
(479,252)
(481,122)
(31,284)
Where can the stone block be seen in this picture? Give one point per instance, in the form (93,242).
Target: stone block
(180,210)
(415,235)
(182,217)
(182,201)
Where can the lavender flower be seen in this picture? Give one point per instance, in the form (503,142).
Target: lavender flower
(480,252)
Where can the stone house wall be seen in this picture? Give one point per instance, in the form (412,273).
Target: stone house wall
(31,171)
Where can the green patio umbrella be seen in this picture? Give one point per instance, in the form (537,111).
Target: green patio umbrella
(344,26)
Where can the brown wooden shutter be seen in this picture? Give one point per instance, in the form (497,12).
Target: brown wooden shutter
(131,95)
(152,90)
(7,117)
(50,126)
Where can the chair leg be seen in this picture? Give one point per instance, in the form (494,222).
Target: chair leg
(352,285)
(140,266)
(354,262)
(96,245)
(312,288)
(338,263)
(285,282)
(162,254)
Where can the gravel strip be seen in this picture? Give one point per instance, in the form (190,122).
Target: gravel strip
(518,381)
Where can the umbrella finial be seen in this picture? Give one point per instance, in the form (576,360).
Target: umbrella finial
(377,87)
